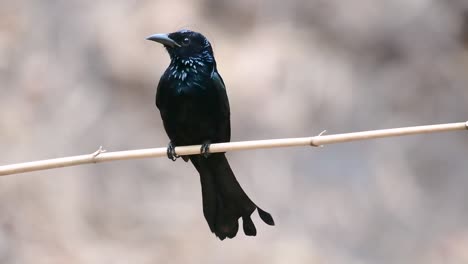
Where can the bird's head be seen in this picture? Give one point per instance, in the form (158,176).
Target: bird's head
(185,45)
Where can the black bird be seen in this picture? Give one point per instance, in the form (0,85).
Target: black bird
(194,107)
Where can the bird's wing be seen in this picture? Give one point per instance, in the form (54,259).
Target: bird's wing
(162,85)
(225,124)
(162,104)
(221,88)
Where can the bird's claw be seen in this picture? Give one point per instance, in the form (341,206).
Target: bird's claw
(171,154)
(205,150)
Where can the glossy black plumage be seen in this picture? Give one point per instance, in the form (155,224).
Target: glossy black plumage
(194,107)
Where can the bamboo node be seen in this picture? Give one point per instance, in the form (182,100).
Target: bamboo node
(312,139)
(96,153)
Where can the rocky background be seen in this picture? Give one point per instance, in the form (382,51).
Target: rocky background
(75,75)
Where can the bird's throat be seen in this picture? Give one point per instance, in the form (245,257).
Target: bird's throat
(183,69)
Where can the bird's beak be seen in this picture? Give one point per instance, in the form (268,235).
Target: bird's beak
(163,39)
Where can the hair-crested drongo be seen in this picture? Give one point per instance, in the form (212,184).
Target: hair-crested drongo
(192,99)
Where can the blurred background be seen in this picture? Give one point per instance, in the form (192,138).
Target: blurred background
(75,75)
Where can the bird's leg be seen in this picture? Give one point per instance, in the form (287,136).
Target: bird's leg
(171,154)
(205,149)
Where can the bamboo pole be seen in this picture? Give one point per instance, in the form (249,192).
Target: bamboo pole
(102,156)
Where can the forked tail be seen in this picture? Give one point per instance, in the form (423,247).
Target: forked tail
(224,200)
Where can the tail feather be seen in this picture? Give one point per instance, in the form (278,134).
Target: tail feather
(224,200)
(266,217)
(249,227)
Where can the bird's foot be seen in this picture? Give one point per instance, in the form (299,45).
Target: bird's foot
(205,149)
(171,154)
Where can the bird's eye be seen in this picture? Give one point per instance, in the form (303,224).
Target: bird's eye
(186,42)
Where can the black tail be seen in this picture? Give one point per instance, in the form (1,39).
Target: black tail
(224,201)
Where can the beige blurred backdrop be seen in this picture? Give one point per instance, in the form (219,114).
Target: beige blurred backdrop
(75,75)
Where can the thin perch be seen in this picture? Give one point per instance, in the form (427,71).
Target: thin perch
(101,156)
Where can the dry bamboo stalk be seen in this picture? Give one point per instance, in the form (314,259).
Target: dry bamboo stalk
(101,156)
